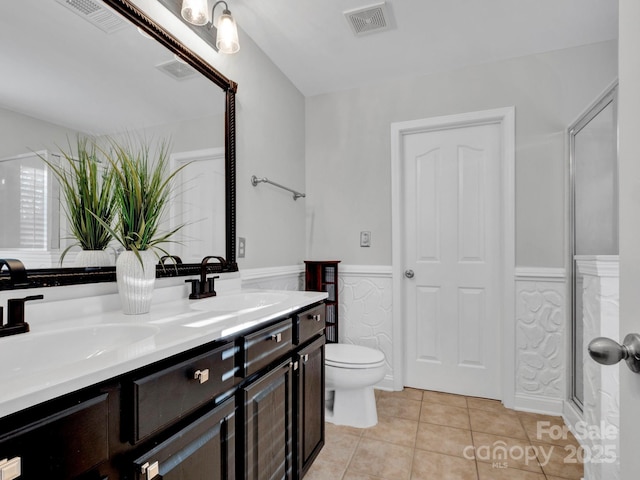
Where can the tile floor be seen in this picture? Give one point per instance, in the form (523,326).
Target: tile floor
(424,435)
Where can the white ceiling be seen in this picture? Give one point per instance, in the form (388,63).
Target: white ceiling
(312,43)
(54,63)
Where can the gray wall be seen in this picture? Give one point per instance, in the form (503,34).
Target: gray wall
(348,147)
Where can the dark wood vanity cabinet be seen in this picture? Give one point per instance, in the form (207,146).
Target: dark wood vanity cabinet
(250,407)
(203,449)
(67,439)
(309,426)
(268,425)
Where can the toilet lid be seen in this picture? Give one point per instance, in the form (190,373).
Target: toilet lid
(352,356)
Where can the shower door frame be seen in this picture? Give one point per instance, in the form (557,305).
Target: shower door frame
(609,97)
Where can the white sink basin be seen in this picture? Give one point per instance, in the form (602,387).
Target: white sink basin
(60,348)
(239,302)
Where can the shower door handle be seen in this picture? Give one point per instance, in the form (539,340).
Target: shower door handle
(409,273)
(609,352)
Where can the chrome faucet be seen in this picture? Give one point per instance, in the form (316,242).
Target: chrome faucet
(205,287)
(15,316)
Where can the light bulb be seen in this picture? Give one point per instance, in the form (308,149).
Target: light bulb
(195,12)
(227,38)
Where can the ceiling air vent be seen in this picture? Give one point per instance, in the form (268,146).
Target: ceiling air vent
(177,70)
(96,13)
(373,18)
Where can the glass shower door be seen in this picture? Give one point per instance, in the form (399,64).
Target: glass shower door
(594,208)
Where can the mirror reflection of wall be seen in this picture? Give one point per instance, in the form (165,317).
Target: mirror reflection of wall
(69,76)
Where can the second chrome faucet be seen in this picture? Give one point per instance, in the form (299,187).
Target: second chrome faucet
(204,287)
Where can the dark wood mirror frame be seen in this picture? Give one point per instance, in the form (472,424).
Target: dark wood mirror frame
(52,277)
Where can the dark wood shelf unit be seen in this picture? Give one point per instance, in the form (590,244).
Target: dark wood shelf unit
(322,276)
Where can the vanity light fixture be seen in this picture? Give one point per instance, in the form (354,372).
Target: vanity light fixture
(196,12)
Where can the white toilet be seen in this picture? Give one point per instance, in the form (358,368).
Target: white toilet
(351,372)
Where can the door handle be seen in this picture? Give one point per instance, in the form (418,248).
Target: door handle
(409,273)
(609,352)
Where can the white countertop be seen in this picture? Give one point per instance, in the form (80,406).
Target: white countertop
(62,356)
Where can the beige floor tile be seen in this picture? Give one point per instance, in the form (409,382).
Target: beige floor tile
(324,470)
(547,429)
(506,423)
(357,476)
(486,404)
(443,439)
(381,459)
(487,471)
(407,393)
(444,415)
(399,431)
(509,452)
(444,398)
(437,466)
(339,447)
(332,428)
(558,462)
(399,407)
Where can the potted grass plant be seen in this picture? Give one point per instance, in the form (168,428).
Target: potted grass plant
(87,190)
(143,188)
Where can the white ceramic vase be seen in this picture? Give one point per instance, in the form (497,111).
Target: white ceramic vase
(135,283)
(92,258)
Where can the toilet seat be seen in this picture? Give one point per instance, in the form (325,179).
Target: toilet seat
(341,355)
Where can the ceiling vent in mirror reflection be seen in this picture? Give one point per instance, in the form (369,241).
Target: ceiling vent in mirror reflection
(96,13)
(365,20)
(177,70)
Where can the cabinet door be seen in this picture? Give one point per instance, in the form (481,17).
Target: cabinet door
(62,445)
(310,403)
(203,450)
(268,429)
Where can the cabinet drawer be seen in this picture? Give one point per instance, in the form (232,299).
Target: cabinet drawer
(164,397)
(63,445)
(266,345)
(203,449)
(308,324)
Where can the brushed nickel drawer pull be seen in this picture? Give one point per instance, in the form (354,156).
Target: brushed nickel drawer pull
(317,317)
(150,470)
(305,357)
(10,468)
(276,337)
(201,375)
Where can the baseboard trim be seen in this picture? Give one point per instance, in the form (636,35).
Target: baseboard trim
(538,404)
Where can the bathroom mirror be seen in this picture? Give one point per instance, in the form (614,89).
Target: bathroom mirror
(102,68)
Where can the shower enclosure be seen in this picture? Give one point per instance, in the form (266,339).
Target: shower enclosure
(593,159)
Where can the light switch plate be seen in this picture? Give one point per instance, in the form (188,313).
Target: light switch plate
(242,243)
(365,239)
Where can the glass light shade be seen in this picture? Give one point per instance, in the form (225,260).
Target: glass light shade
(195,12)
(227,37)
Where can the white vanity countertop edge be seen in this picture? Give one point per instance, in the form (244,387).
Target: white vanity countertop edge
(36,369)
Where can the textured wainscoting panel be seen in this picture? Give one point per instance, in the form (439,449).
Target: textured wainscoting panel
(601,384)
(365,310)
(541,326)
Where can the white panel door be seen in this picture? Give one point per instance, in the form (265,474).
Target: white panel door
(196,205)
(452,244)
